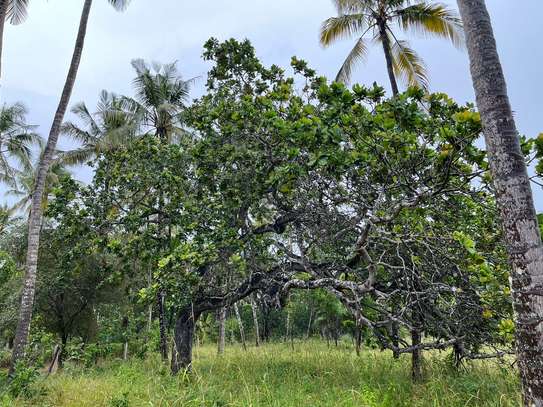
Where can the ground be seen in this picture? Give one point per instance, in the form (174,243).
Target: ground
(280,375)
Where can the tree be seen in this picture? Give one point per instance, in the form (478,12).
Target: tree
(161,95)
(513,195)
(15,12)
(375,18)
(16,141)
(23,189)
(35,220)
(107,129)
(160,99)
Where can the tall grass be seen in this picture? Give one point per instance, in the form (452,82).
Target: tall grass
(309,374)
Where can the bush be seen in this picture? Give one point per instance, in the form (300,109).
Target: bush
(22,381)
(119,401)
(5,359)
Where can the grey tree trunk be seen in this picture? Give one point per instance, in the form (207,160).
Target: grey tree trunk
(35,220)
(358,339)
(287,326)
(385,41)
(416,356)
(161,296)
(3,12)
(222,323)
(241,327)
(308,332)
(182,341)
(150,307)
(513,195)
(255,322)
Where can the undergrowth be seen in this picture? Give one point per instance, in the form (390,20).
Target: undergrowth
(309,374)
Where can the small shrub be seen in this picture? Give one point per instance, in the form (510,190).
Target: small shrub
(21,383)
(120,401)
(5,359)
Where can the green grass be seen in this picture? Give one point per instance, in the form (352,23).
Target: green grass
(311,374)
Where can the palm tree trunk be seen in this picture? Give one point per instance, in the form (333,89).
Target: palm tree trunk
(385,40)
(3,12)
(35,220)
(513,195)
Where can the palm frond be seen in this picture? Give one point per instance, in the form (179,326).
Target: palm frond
(119,5)
(357,54)
(432,19)
(17,11)
(351,6)
(342,27)
(408,65)
(78,156)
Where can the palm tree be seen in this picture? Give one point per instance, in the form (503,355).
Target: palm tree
(35,219)
(16,141)
(109,128)
(161,96)
(14,11)
(26,180)
(373,20)
(513,195)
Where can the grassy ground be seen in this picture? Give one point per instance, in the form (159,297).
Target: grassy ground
(310,374)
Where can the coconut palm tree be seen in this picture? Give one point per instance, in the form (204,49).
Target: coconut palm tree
(23,190)
(15,11)
(161,97)
(16,141)
(109,128)
(35,219)
(513,195)
(375,20)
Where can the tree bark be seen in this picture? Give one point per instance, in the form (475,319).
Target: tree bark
(287,326)
(35,220)
(308,332)
(416,356)
(513,195)
(222,322)
(358,339)
(3,12)
(162,326)
(241,327)
(255,322)
(62,351)
(385,41)
(182,341)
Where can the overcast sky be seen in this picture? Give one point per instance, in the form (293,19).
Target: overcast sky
(37,53)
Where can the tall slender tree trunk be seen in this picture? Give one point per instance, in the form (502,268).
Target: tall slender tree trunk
(222,326)
(150,306)
(3,12)
(385,40)
(241,327)
(308,331)
(513,195)
(161,296)
(255,322)
(287,326)
(35,220)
